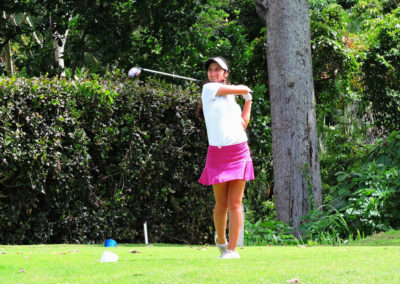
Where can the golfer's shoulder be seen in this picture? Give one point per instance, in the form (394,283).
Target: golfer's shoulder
(212,86)
(210,89)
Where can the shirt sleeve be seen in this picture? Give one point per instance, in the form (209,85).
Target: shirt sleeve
(210,90)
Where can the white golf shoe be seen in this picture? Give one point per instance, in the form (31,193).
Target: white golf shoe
(228,254)
(221,247)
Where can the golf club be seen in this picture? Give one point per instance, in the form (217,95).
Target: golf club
(135,72)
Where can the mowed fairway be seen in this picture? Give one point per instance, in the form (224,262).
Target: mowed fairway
(197,264)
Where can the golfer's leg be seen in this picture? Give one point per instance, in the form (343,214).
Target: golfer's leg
(235,195)
(220,210)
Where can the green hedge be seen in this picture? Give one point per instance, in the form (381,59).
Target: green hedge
(93,158)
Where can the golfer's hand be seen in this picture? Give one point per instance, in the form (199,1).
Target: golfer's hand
(247,97)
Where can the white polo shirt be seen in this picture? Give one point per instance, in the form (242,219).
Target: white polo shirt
(223,117)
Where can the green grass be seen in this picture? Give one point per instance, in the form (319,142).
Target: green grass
(196,264)
(391,238)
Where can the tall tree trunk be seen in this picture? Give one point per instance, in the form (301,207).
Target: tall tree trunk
(59,41)
(297,180)
(34,35)
(7,53)
(9,59)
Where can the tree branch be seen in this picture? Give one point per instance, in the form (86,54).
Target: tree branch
(35,37)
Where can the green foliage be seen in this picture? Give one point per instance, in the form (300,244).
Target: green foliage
(268,232)
(347,4)
(90,24)
(324,227)
(390,5)
(171,36)
(388,151)
(390,238)
(367,196)
(340,152)
(336,71)
(230,29)
(369,10)
(258,195)
(381,71)
(334,61)
(92,158)
(320,4)
(370,198)
(259,190)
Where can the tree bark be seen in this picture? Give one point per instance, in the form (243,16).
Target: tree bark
(59,41)
(297,180)
(34,35)
(7,53)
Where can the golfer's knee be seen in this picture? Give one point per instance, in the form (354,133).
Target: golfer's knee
(235,206)
(221,208)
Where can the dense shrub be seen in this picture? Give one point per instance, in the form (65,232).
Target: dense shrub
(369,195)
(366,198)
(268,232)
(87,159)
(340,152)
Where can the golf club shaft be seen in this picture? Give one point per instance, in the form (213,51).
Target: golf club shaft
(168,74)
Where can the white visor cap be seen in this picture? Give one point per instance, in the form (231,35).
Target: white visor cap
(219,61)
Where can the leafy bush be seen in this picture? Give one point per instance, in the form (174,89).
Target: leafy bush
(340,152)
(369,195)
(347,4)
(366,198)
(87,159)
(324,226)
(268,232)
(320,4)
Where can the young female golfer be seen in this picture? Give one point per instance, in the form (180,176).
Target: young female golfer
(228,163)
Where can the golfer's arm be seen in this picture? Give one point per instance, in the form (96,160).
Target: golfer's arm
(232,90)
(246,114)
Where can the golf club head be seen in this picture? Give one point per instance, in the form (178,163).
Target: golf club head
(134,72)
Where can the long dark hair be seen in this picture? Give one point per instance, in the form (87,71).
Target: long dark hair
(199,110)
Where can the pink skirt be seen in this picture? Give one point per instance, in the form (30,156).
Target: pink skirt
(227,163)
